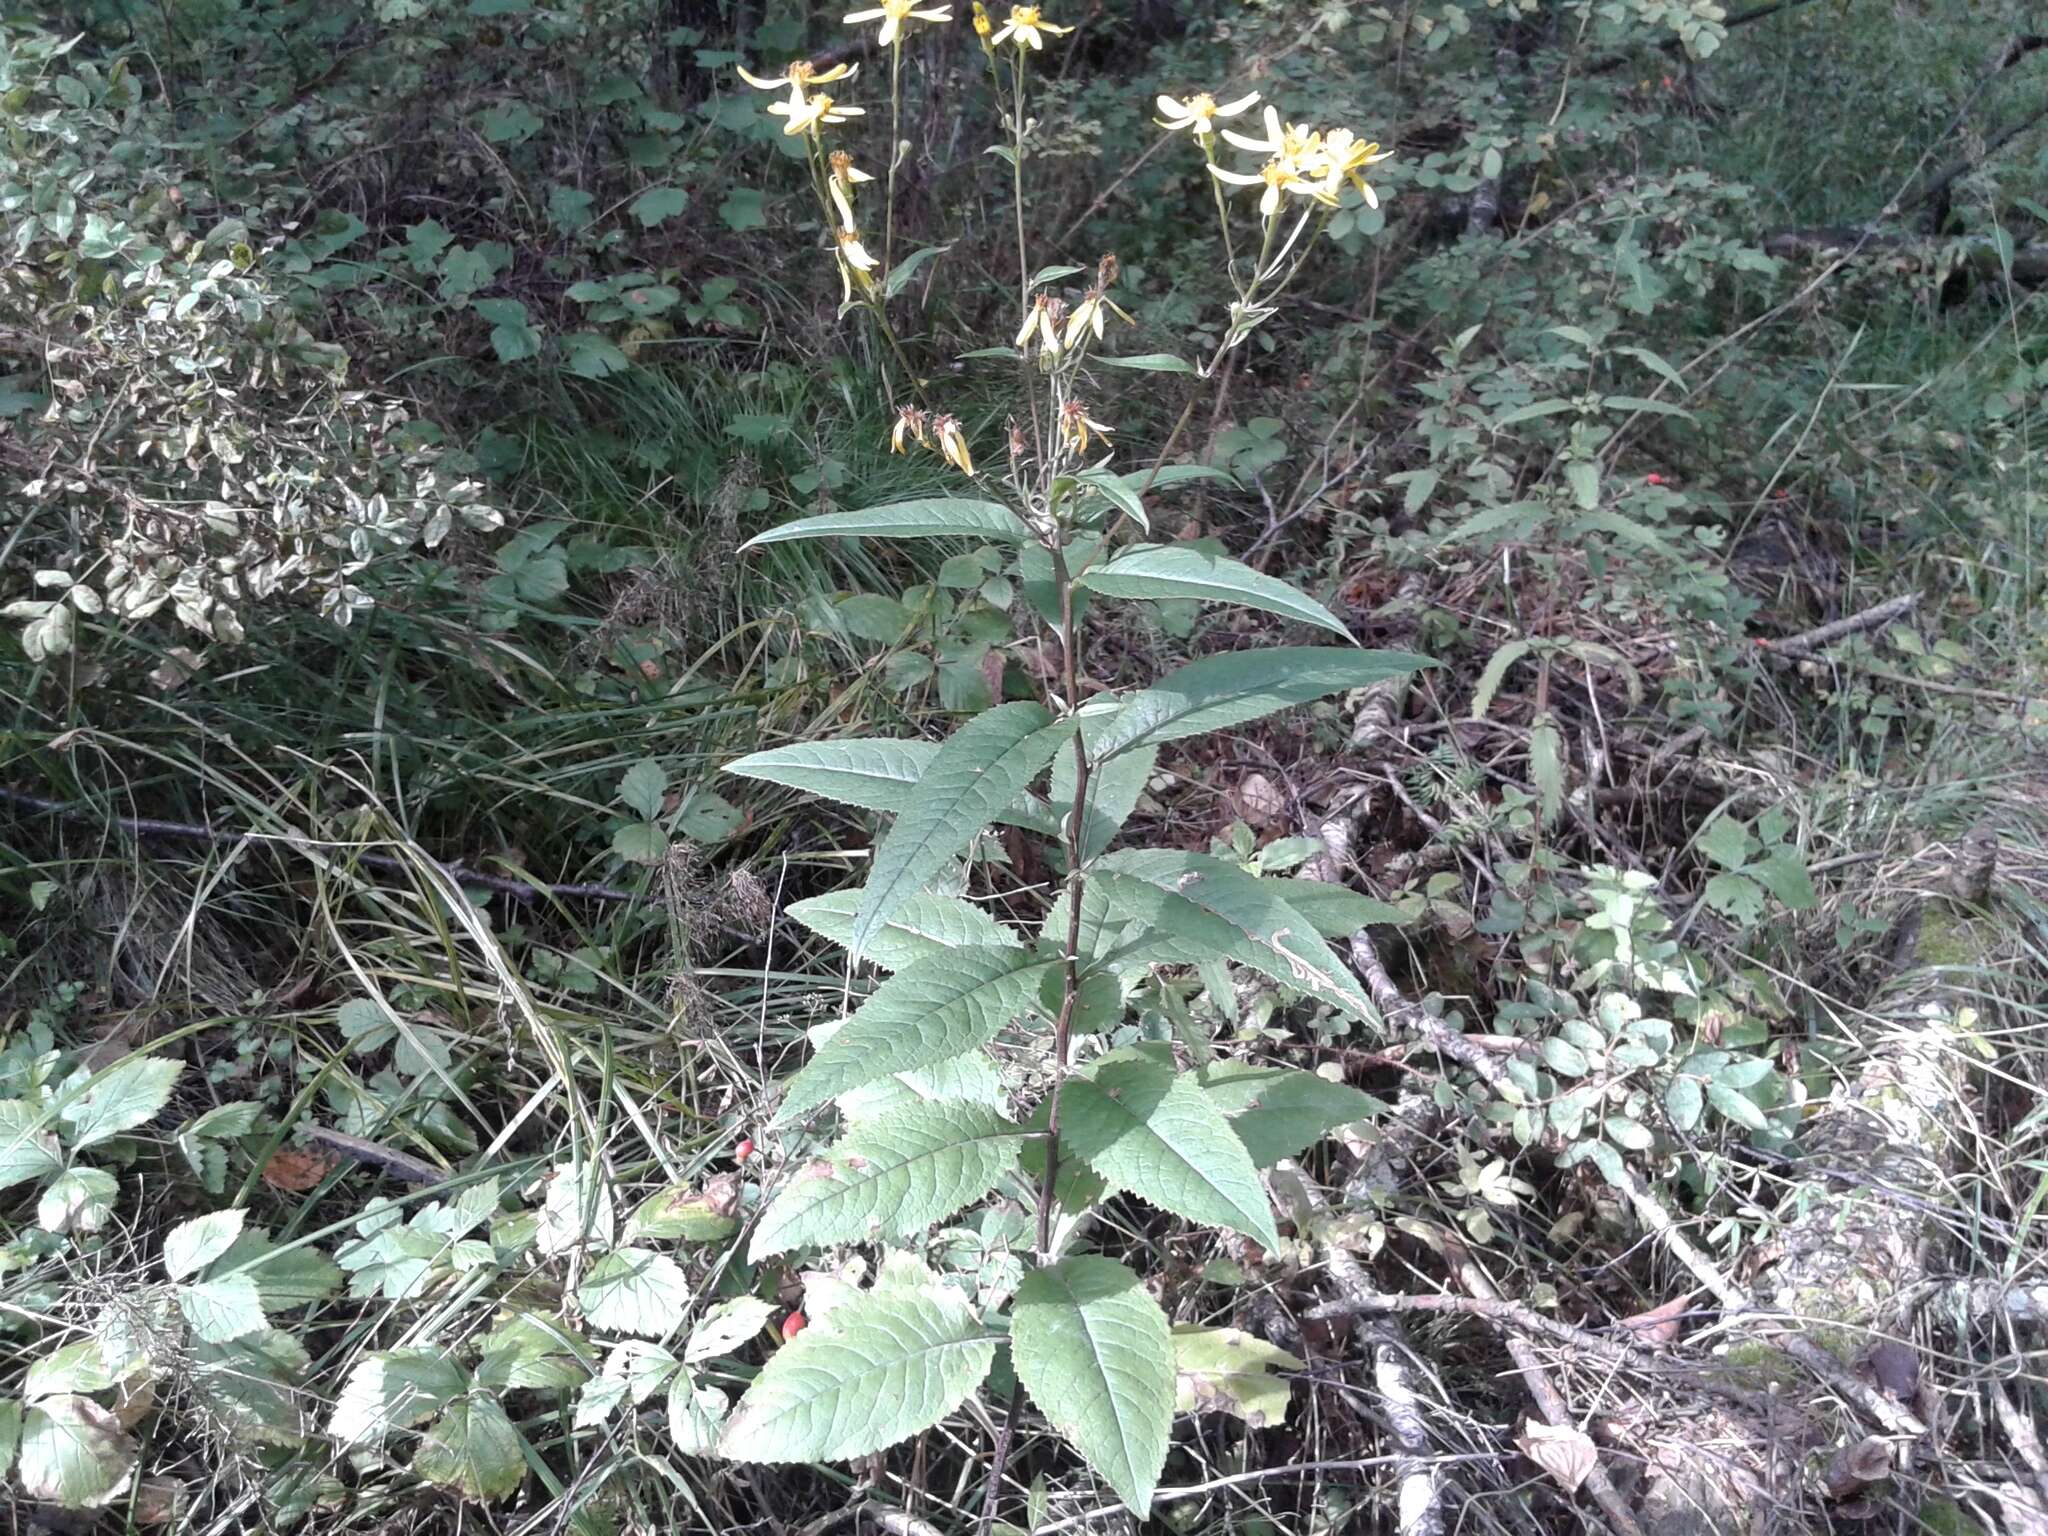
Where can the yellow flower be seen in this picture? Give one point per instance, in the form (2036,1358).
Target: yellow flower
(893,13)
(953,444)
(1076,424)
(843,179)
(1199,113)
(1344,157)
(910,422)
(853,253)
(807,114)
(800,73)
(983,27)
(1292,143)
(1027,26)
(1044,318)
(1087,316)
(1276,176)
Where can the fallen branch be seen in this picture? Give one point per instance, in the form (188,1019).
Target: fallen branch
(1801,646)
(1979,254)
(194,832)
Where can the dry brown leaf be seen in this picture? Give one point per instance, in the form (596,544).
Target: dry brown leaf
(1567,1454)
(1261,802)
(296,1169)
(1659,1325)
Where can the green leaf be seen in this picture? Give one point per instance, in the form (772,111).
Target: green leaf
(875,773)
(744,208)
(1683,1102)
(927,924)
(533,1351)
(938,1007)
(881,1367)
(643,786)
(1583,476)
(925,517)
(640,842)
(634,1290)
(1149,362)
(192,1245)
(978,770)
(393,1389)
(658,203)
(119,1099)
(1737,895)
(892,1176)
(726,1327)
(1280,1112)
(695,1412)
(473,1449)
(904,270)
(74,1453)
(26,1152)
(1178,571)
(1149,1129)
(1737,1107)
(77,1200)
(1113,790)
(1226,690)
(1094,1351)
(1726,841)
(1226,1370)
(224,1309)
(1783,873)
(1564,1058)
(1203,908)
(591,356)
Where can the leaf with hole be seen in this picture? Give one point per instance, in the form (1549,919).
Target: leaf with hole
(1094,1350)
(891,1176)
(1178,571)
(883,1366)
(979,770)
(1150,1130)
(939,1007)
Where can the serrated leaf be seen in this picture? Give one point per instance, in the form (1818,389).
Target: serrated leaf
(884,1366)
(74,1453)
(1583,477)
(1208,908)
(77,1200)
(890,1177)
(393,1389)
(1150,1130)
(927,924)
(1280,1112)
(1726,841)
(634,1290)
(253,1386)
(643,787)
(119,1099)
(726,1327)
(977,771)
(1783,873)
(533,1351)
(1179,571)
(1113,790)
(640,842)
(1337,912)
(1221,691)
(874,773)
(224,1309)
(942,1006)
(474,1450)
(192,1245)
(1226,1370)
(1094,1351)
(695,1413)
(26,1151)
(924,517)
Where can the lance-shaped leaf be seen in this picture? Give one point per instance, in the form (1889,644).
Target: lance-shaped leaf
(1114,786)
(1282,1111)
(1094,1351)
(1337,912)
(876,773)
(890,1177)
(927,924)
(1149,1129)
(923,517)
(945,1005)
(977,771)
(1177,571)
(1226,690)
(1204,908)
(884,1365)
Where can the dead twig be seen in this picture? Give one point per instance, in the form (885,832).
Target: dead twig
(1799,647)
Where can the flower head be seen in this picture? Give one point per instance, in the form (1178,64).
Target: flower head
(853,253)
(910,423)
(1198,113)
(844,176)
(1043,318)
(1028,28)
(1277,175)
(800,73)
(983,27)
(1076,424)
(1291,142)
(1344,157)
(953,443)
(894,13)
(1088,316)
(807,114)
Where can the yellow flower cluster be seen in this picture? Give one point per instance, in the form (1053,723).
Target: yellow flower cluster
(1304,162)
(941,434)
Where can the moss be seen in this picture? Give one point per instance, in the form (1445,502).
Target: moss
(1948,940)
(1945,1517)
(1756,1366)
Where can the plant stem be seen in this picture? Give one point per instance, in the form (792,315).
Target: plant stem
(895,139)
(1077,879)
(1017,183)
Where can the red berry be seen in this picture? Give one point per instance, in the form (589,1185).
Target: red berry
(745,1149)
(793,1325)
(1653,480)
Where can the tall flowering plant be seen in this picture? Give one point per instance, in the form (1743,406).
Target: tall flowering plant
(977,1071)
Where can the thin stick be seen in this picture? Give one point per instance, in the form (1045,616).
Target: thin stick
(1799,647)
